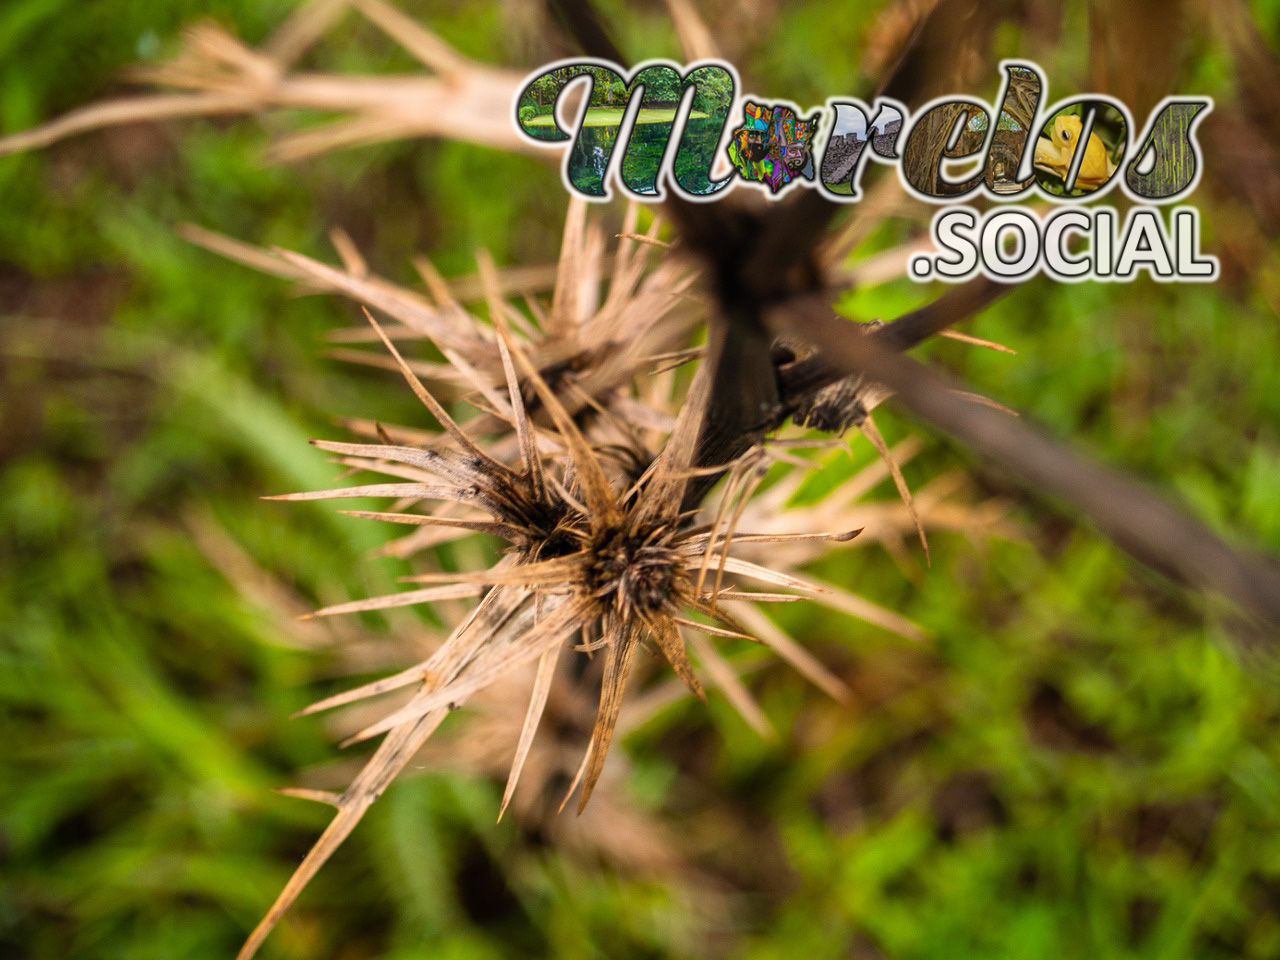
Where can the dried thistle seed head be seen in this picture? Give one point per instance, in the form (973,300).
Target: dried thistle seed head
(587,562)
(622,571)
(603,552)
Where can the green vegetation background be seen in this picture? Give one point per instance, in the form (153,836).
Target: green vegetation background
(1075,764)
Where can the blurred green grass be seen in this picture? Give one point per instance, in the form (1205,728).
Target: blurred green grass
(1078,764)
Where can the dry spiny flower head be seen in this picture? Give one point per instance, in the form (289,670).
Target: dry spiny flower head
(600,553)
(615,565)
(596,558)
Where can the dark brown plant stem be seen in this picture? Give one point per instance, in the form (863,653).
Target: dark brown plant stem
(1135,517)
(723,440)
(744,402)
